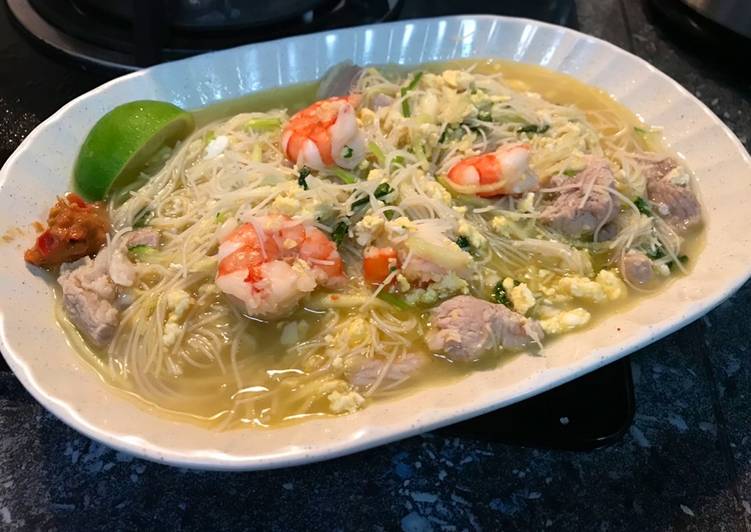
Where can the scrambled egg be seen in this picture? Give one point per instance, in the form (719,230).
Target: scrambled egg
(345,402)
(286,205)
(501,225)
(527,204)
(565,321)
(398,228)
(449,285)
(469,231)
(178,303)
(607,286)
(367,229)
(521,298)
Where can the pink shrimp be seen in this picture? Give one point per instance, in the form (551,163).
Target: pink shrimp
(324,134)
(504,171)
(270,262)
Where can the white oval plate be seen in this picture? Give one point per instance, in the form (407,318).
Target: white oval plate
(57,377)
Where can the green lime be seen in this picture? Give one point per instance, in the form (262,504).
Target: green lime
(123,140)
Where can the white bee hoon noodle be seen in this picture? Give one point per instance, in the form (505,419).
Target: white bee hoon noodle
(184,345)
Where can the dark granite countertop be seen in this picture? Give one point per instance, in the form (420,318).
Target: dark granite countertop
(685,463)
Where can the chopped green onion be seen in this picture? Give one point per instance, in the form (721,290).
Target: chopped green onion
(452,132)
(383,189)
(533,128)
(464,243)
(396,301)
(221,217)
(500,296)
(415,81)
(641,130)
(377,152)
(264,124)
(404,90)
(348,177)
(339,232)
(398,160)
(570,172)
(301,179)
(141,252)
(405,103)
(347,152)
(643,206)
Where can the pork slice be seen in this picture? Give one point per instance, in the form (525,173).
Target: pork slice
(142,237)
(657,169)
(465,327)
(675,203)
(89,297)
(581,208)
(637,268)
(402,368)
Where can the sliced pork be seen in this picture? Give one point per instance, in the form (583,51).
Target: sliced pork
(583,203)
(637,268)
(400,369)
(668,189)
(89,298)
(465,327)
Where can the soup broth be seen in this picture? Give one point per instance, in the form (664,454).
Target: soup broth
(213,364)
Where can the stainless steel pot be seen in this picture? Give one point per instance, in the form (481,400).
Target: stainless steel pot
(733,14)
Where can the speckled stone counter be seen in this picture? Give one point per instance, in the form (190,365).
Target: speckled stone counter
(684,465)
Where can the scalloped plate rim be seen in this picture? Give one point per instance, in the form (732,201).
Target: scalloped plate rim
(213,459)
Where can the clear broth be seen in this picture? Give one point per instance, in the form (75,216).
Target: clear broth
(555,87)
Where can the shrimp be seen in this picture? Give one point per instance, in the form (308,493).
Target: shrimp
(271,262)
(324,134)
(504,171)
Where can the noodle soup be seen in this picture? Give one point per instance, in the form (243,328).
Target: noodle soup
(491,191)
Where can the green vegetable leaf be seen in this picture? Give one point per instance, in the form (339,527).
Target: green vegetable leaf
(533,128)
(643,206)
(394,300)
(404,90)
(347,152)
(464,243)
(499,295)
(657,253)
(221,217)
(141,252)
(347,177)
(377,152)
(383,189)
(301,179)
(570,173)
(264,124)
(339,232)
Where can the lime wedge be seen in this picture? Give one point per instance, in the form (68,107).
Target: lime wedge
(123,140)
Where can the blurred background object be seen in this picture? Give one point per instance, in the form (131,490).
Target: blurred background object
(132,34)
